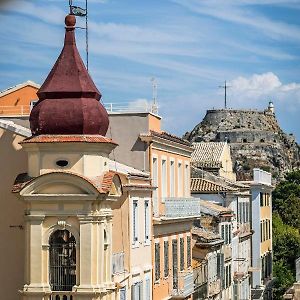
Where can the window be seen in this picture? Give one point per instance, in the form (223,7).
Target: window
(163,179)
(172,179)
(123,293)
(180,183)
(155,184)
(261,199)
(175,264)
(189,252)
(166,258)
(135,220)
(62,261)
(147,221)
(157,261)
(137,291)
(147,289)
(181,254)
(186,181)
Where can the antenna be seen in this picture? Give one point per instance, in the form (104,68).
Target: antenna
(225,87)
(86,35)
(154,95)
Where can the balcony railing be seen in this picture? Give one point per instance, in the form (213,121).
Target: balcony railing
(181,207)
(261,176)
(118,263)
(214,287)
(185,286)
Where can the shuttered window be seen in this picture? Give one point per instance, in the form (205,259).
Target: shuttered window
(147,289)
(135,220)
(181,254)
(147,221)
(157,261)
(189,252)
(166,258)
(123,293)
(137,291)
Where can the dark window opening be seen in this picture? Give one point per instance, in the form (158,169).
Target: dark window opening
(244,140)
(62,261)
(62,163)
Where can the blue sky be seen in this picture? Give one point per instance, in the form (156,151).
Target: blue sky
(189,46)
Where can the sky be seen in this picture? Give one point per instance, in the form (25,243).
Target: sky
(190,47)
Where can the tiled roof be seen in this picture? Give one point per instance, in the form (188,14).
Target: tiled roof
(68,139)
(126,170)
(213,209)
(101,183)
(207,154)
(167,136)
(19,86)
(201,185)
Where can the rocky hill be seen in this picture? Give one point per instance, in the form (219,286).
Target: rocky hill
(255,138)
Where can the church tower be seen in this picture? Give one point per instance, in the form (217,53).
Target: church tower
(68,189)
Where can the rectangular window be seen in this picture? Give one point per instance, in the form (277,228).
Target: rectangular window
(229,234)
(163,179)
(261,199)
(123,293)
(172,178)
(147,221)
(155,184)
(180,183)
(137,291)
(135,220)
(226,234)
(147,289)
(186,181)
(181,254)
(223,232)
(166,258)
(261,231)
(157,261)
(189,252)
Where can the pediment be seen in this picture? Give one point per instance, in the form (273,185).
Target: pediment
(53,184)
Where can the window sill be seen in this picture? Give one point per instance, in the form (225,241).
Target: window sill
(135,245)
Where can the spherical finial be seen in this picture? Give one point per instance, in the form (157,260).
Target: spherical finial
(70,20)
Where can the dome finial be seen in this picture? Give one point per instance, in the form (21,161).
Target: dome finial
(70,20)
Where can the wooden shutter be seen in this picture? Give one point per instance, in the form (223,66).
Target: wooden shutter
(181,254)
(135,221)
(123,293)
(189,252)
(157,261)
(166,258)
(147,225)
(147,289)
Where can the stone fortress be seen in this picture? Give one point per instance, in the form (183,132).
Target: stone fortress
(255,138)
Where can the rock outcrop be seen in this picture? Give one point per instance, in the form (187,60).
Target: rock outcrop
(255,138)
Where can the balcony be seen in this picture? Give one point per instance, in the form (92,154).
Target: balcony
(181,208)
(261,176)
(118,263)
(184,285)
(214,287)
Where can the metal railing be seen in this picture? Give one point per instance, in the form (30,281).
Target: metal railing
(137,106)
(181,207)
(118,263)
(185,286)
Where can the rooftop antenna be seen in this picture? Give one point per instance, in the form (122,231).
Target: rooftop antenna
(225,87)
(154,95)
(81,12)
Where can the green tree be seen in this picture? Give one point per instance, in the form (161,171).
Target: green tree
(286,199)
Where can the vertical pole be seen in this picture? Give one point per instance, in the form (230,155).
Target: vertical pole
(225,87)
(86,35)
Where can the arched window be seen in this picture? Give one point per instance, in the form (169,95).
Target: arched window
(62,264)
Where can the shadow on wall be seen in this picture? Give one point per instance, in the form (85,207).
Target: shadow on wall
(13,161)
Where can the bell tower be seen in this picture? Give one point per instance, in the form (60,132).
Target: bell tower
(67,190)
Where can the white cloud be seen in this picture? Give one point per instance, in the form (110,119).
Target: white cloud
(261,84)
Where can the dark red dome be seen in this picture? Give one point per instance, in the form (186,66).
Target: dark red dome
(68,99)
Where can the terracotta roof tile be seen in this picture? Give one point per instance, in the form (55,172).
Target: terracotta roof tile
(170,137)
(204,234)
(68,139)
(201,185)
(101,183)
(213,209)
